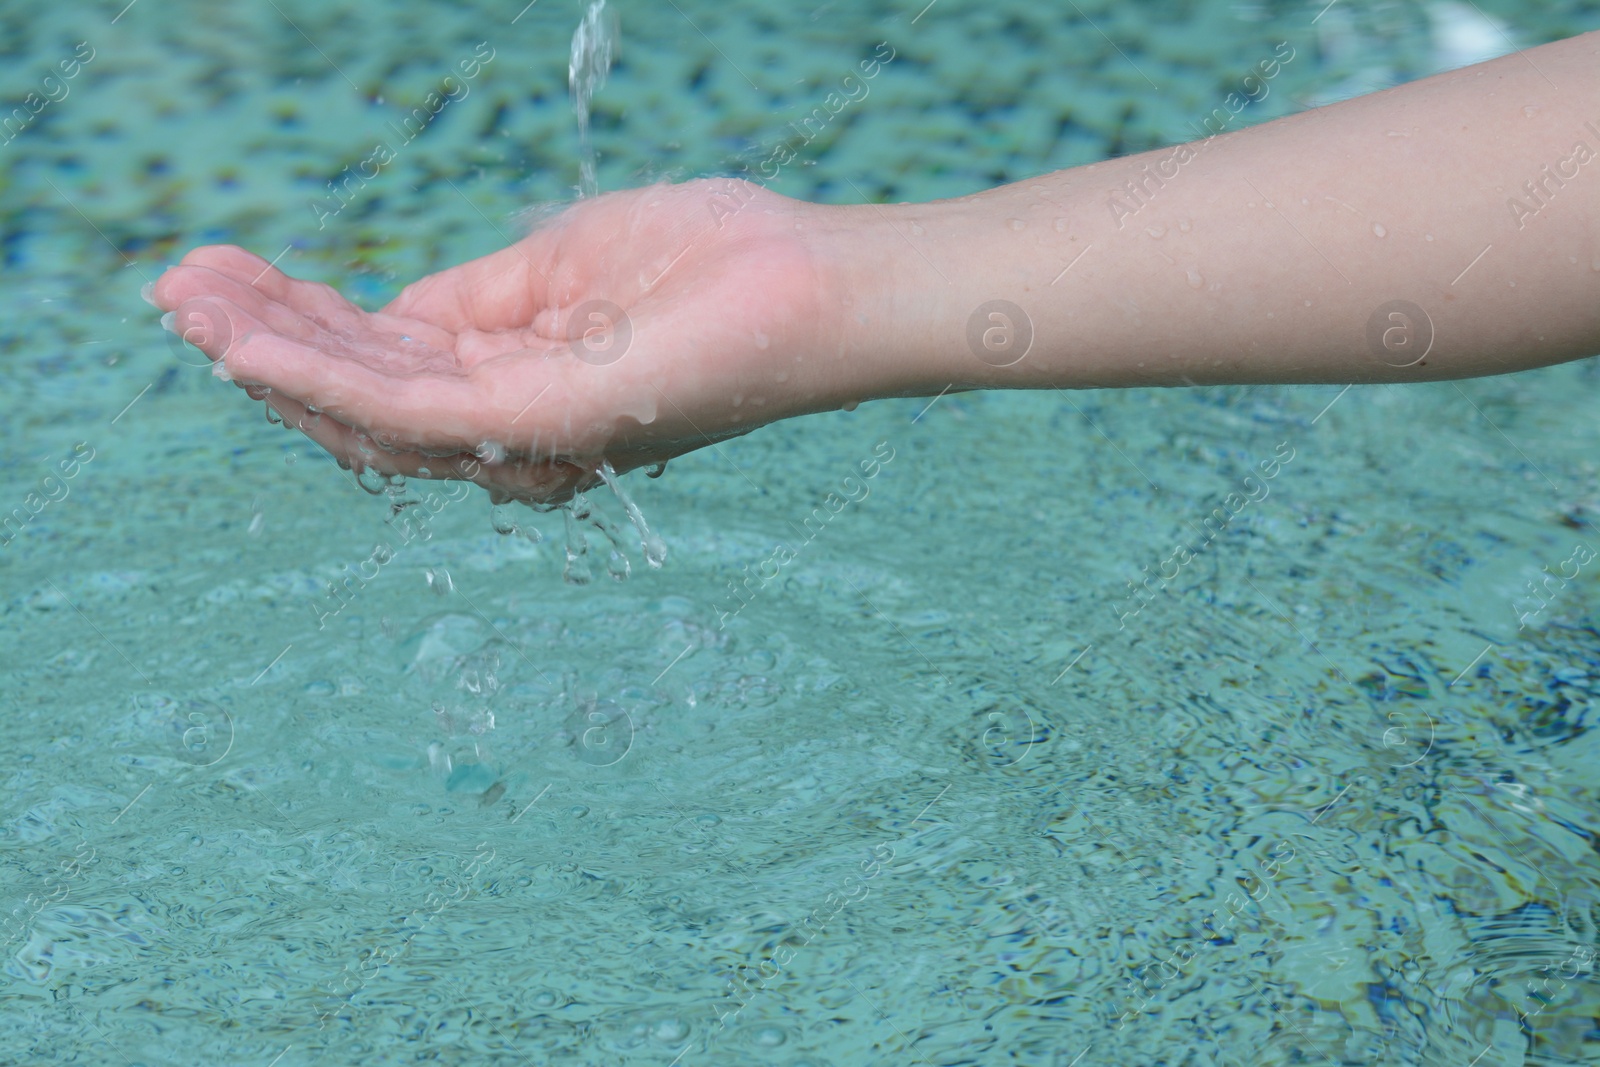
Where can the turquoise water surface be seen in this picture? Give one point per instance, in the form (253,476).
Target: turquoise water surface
(937,794)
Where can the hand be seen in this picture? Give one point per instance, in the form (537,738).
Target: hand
(628,329)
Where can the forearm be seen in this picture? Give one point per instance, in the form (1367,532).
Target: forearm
(1264,255)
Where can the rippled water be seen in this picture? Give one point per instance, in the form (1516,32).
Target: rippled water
(929,792)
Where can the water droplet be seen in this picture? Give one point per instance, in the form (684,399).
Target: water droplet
(502,518)
(1157,232)
(272,415)
(1378,229)
(147,293)
(1184,226)
(291,458)
(1530,110)
(440,582)
(672,1030)
(916,230)
(1016,224)
(1061,225)
(1427,237)
(762,340)
(770,1036)
(371,481)
(1193,278)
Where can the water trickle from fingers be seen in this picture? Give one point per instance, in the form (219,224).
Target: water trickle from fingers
(576,572)
(655,550)
(617,564)
(579,516)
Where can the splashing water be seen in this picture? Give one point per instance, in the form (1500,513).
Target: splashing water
(578,516)
(594,45)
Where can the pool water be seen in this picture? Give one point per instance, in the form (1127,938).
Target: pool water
(947,788)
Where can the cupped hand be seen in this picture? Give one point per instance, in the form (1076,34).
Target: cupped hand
(627,329)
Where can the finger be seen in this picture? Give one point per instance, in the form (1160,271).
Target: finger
(401,411)
(545,482)
(195,286)
(431,415)
(500,291)
(357,452)
(250,269)
(211,325)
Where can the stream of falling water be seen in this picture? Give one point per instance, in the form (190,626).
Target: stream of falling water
(594,45)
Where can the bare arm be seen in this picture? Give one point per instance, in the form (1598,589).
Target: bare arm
(1442,229)
(1273,254)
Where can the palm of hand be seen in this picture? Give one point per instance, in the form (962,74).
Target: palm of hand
(633,328)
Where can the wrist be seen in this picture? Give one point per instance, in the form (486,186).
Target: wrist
(935,296)
(884,309)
